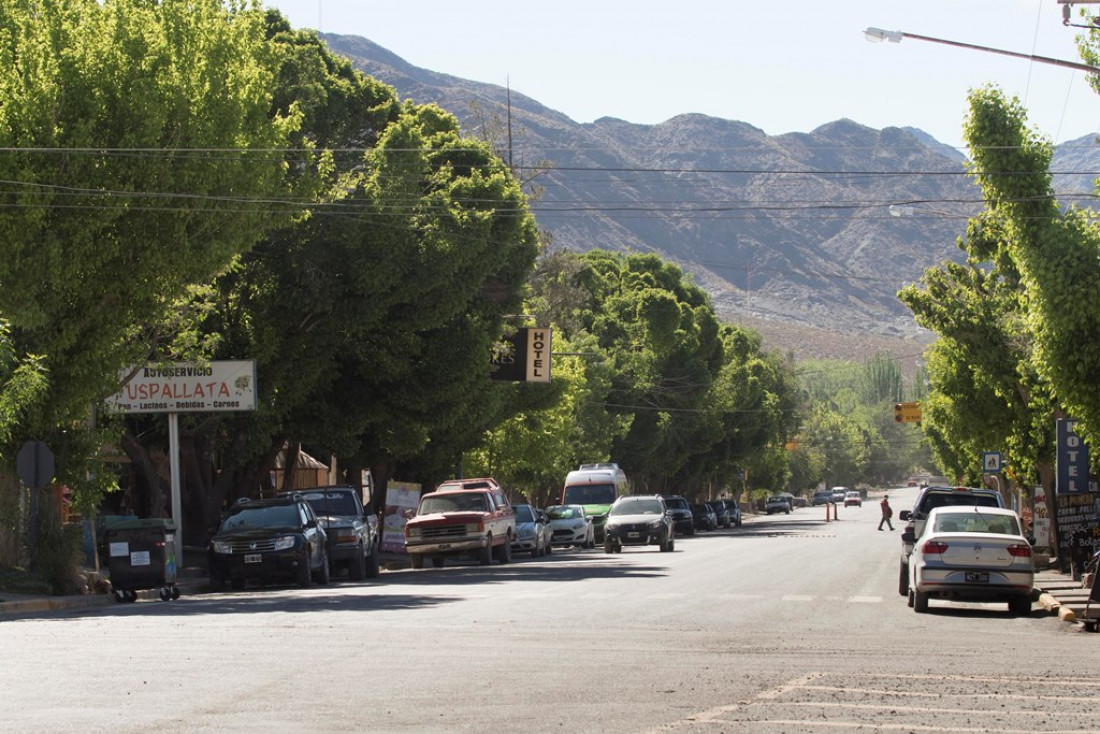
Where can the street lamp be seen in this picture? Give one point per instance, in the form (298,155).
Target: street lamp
(877,35)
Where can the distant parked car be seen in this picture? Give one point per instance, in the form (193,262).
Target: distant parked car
(838,494)
(532,531)
(852,497)
(776,503)
(735,512)
(682,520)
(703,517)
(822,497)
(569,525)
(800,501)
(721,512)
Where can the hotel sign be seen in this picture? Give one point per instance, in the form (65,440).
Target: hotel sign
(186,387)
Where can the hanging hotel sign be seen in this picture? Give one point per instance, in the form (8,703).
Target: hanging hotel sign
(187,387)
(525,357)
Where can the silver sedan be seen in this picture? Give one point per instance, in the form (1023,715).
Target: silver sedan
(571,526)
(973,554)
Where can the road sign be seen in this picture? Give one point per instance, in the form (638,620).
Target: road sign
(992,462)
(907,412)
(35,464)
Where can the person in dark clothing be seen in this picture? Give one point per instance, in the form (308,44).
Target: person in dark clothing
(887,513)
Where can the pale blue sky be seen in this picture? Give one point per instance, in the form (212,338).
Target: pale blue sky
(783,67)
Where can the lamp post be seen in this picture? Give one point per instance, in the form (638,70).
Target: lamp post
(877,35)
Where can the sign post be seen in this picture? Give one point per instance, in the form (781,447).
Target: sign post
(35,466)
(186,387)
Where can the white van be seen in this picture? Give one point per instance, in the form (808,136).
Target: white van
(595,487)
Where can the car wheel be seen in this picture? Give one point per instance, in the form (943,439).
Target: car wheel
(664,544)
(610,546)
(357,568)
(910,595)
(217,583)
(305,573)
(549,549)
(485,553)
(1020,606)
(324,573)
(416,560)
(691,531)
(671,544)
(504,552)
(438,561)
(373,563)
(920,601)
(903,579)
(237,584)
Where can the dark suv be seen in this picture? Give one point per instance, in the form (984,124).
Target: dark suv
(680,510)
(268,539)
(638,520)
(929,499)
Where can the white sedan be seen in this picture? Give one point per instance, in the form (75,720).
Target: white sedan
(975,554)
(571,526)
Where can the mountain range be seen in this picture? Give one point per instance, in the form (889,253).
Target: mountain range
(805,237)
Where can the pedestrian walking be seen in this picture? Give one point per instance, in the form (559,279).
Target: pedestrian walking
(887,512)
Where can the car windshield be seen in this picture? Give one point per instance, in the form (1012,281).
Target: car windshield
(268,516)
(960,498)
(677,502)
(590,494)
(636,507)
(565,513)
(333,503)
(524,513)
(973,522)
(776,500)
(456,502)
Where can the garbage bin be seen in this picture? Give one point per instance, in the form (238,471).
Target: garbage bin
(142,555)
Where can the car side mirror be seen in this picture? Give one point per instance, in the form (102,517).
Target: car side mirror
(909,537)
(904,515)
(311,523)
(1031,539)
(408,514)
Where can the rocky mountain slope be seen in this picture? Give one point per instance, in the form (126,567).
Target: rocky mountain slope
(807,237)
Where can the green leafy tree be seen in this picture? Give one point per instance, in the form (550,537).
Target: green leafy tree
(138,138)
(1053,250)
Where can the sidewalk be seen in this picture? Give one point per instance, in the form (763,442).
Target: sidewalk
(192,579)
(1069,599)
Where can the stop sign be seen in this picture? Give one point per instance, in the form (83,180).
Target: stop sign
(34,464)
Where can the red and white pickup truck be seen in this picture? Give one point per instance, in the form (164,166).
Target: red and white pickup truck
(469,517)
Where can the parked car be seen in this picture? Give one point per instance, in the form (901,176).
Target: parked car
(703,517)
(639,520)
(570,525)
(352,532)
(735,512)
(680,510)
(852,497)
(971,554)
(928,499)
(721,513)
(270,539)
(790,499)
(838,494)
(822,497)
(775,503)
(463,517)
(532,531)
(800,501)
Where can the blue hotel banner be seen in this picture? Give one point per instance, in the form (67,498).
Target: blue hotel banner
(1072,459)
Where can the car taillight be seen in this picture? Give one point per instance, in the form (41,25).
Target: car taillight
(1019,550)
(933,546)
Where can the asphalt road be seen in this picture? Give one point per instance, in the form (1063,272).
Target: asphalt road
(788,624)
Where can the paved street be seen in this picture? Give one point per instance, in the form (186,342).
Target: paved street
(786,624)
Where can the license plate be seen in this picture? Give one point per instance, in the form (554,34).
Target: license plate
(633,535)
(253,558)
(977,576)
